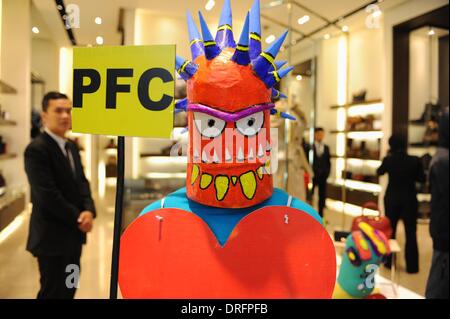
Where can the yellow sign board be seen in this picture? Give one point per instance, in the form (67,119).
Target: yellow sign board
(124,90)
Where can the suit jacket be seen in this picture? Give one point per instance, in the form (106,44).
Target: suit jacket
(58,196)
(322,164)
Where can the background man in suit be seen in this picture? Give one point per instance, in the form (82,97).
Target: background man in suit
(321,167)
(63,208)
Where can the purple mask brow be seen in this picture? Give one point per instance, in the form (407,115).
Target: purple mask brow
(229,117)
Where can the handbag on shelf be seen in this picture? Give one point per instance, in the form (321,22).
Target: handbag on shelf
(381,223)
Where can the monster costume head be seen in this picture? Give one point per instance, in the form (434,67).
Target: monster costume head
(229,103)
(365,250)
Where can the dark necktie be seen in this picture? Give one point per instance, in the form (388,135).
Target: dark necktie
(69,157)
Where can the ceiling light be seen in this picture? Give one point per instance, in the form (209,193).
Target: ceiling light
(303,19)
(99,40)
(294,42)
(98,20)
(270,39)
(35,30)
(327,36)
(377,14)
(345,28)
(431,32)
(209,5)
(275,3)
(299,77)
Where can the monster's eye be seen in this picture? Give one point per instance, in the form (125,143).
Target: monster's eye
(251,124)
(208,125)
(353,256)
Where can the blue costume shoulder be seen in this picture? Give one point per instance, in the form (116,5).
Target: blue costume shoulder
(223,220)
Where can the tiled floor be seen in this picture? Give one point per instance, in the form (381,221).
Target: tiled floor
(19,276)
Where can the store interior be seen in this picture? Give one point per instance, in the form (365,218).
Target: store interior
(363,70)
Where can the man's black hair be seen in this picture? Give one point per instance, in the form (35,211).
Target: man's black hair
(319,129)
(51,96)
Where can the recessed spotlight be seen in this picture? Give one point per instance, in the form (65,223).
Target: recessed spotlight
(431,32)
(270,39)
(345,28)
(59,7)
(209,5)
(98,20)
(327,36)
(294,42)
(303,19)
(377,14)
(35,30)
(299,77)
(99,40)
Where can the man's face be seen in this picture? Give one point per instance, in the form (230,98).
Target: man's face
(58,118)
(319,135)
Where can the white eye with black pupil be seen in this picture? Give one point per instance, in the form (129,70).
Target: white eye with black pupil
(208,125)
(251,124)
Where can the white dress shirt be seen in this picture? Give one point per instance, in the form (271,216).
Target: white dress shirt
(62,145)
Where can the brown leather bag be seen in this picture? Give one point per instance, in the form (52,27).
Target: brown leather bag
(381,223)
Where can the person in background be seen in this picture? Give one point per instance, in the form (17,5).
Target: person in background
(63,208)
(438,279)
(321,167)
(400,200)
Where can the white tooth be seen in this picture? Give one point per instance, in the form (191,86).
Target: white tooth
(216,158)
(227,155)
(250,154)
(196,156)
(240,156)
(268,148)
(204,157)
(260,151)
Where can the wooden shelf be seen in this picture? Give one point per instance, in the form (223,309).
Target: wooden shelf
(357,158)
(6,88)
(421,145)
(357,103)
(364,131)
(7,156)
(10,209)
(7,122)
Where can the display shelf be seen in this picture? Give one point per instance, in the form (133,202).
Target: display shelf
(368,102)
(7,123)
(11,205)
(422,145)
(165,159)
(357,185)
(7,156)
(360,131)
(6,88)
(357,158)
(164,175)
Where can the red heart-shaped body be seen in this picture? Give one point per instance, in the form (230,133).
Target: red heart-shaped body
(274,252)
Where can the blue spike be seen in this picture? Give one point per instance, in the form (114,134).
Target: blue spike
(277,65)
(224,35)
(274,77)
(273,111)
(195,39)
(241,55)
(186,69)
(277,94)
(211,48)
(181,105)
(287,116)
(255,30)
(266,60)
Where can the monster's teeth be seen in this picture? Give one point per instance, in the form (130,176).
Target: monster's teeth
(216,158)
(227,155)
(240,156)
(196,156)
(260,151)
(205,181)
(250,154)
(194,175)
(234,179)
(267,167)
(248,184)
(221,184)
(204,157)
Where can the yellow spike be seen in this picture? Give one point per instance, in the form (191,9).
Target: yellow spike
(205,181)
(234,179)
(260,173)
(248,184)
(221,184)
(194,175)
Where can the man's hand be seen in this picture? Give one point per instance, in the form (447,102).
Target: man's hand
(85,221)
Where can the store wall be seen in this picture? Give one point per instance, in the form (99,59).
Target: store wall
(45,62)
(15,70)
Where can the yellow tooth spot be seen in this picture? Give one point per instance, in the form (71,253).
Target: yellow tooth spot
(205,181)
(234,179)
(351,256)
(194,175)
(248,184)
(260,172)
(221,184)
(267,167)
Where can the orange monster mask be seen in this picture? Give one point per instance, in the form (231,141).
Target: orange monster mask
(229,103)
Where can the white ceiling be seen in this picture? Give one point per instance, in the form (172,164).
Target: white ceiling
(47,17)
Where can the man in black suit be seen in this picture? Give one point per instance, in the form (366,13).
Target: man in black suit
(63,208)
(321,167)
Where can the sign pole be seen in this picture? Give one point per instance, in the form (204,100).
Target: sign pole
(117,218)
